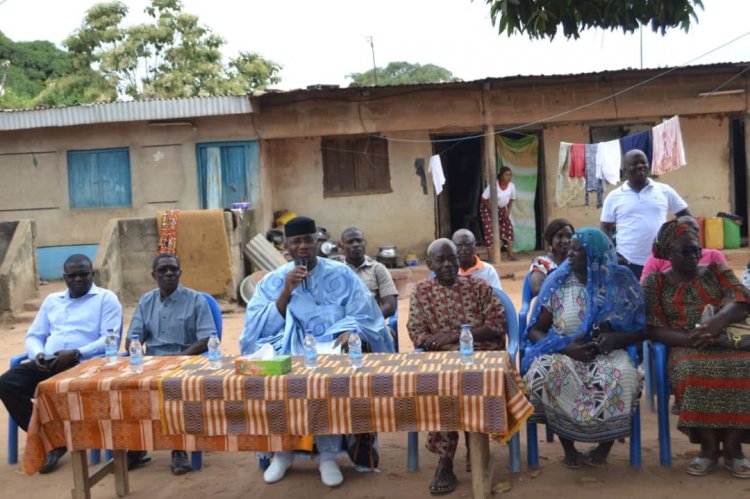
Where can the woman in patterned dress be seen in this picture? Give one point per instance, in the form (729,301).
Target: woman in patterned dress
(580,378)
(506,194)
(711,385)
(557,234)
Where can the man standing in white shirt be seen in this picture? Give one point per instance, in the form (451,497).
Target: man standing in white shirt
(637,209)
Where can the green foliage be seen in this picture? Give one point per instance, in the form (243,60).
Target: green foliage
(82,87)
(403,73)
(31,65)
(542,18)
(171,56)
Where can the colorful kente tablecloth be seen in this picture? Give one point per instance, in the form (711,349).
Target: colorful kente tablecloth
(390,393)
(179,403)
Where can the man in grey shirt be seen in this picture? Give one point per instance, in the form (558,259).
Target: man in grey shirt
(373,273)
(172,320)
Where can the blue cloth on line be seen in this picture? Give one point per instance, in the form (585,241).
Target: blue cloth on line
(642,141)
(593,184)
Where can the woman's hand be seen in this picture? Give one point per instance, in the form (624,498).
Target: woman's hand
(703,336)
(582,352)
(605,343)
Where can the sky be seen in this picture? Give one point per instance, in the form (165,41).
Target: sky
(320,42)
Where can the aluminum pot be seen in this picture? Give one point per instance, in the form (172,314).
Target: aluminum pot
(388,255)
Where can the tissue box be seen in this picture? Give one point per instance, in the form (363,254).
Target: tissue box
(280,364)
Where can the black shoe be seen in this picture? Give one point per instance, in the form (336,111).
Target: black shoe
(137,458)
(180,463)
(52,460)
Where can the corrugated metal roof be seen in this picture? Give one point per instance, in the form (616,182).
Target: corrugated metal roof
(314,90)
(111,112)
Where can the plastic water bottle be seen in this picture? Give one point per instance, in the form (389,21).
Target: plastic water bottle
(746,276)
(355,350)
(466,345)
(214,352)
(111,345)
(136,355)
(311,351)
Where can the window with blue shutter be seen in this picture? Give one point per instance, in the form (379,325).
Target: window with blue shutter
(99,178)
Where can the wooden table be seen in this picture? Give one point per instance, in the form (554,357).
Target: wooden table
(178,403)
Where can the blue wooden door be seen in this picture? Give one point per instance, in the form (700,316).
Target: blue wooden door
(228,172)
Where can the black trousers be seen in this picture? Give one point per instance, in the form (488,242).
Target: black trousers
(17,387)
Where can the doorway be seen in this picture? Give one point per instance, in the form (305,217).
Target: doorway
(458,204)
(739,172)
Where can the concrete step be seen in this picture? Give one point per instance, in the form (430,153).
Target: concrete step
(23,317)
(33,304)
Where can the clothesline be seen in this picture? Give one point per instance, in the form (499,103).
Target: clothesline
(585,167)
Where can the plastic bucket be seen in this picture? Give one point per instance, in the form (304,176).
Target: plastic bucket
(731,234)
(714,232)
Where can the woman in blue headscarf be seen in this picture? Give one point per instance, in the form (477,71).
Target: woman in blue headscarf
(580,378)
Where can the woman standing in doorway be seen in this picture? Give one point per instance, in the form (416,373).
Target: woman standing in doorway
(506,194)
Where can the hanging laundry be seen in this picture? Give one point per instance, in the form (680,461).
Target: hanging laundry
(577,161)
(436,170)
(608,161)
(669,152)
(642,141)
(419,167)
(593,184)
(567,188)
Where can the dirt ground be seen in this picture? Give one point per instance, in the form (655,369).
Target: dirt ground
(234,475)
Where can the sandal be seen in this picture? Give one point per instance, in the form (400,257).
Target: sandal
(445,482)
(591,458)
(573,464)
(739,467)
(701,466)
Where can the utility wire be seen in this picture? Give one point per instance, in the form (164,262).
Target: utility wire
(582,106)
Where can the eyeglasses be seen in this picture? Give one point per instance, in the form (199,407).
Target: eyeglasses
(694,251)
(167,268)
(466,245)
(77,275)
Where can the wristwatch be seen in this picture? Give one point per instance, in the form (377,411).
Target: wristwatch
(79,355)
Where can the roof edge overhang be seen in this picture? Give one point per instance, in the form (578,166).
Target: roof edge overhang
(115,112)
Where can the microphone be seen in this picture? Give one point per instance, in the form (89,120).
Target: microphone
(303,261)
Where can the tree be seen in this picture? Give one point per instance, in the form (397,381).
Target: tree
(31,64)
(171,56)
(403,73)
(542,18)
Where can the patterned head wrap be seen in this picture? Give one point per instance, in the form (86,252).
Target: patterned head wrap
(612,291)
(672,232)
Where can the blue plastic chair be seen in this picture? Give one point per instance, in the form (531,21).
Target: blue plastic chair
(661,377)
(649,375)
(94,454)
(532,446)
(514,338)
(196,457)
(523,316)
(412,438)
